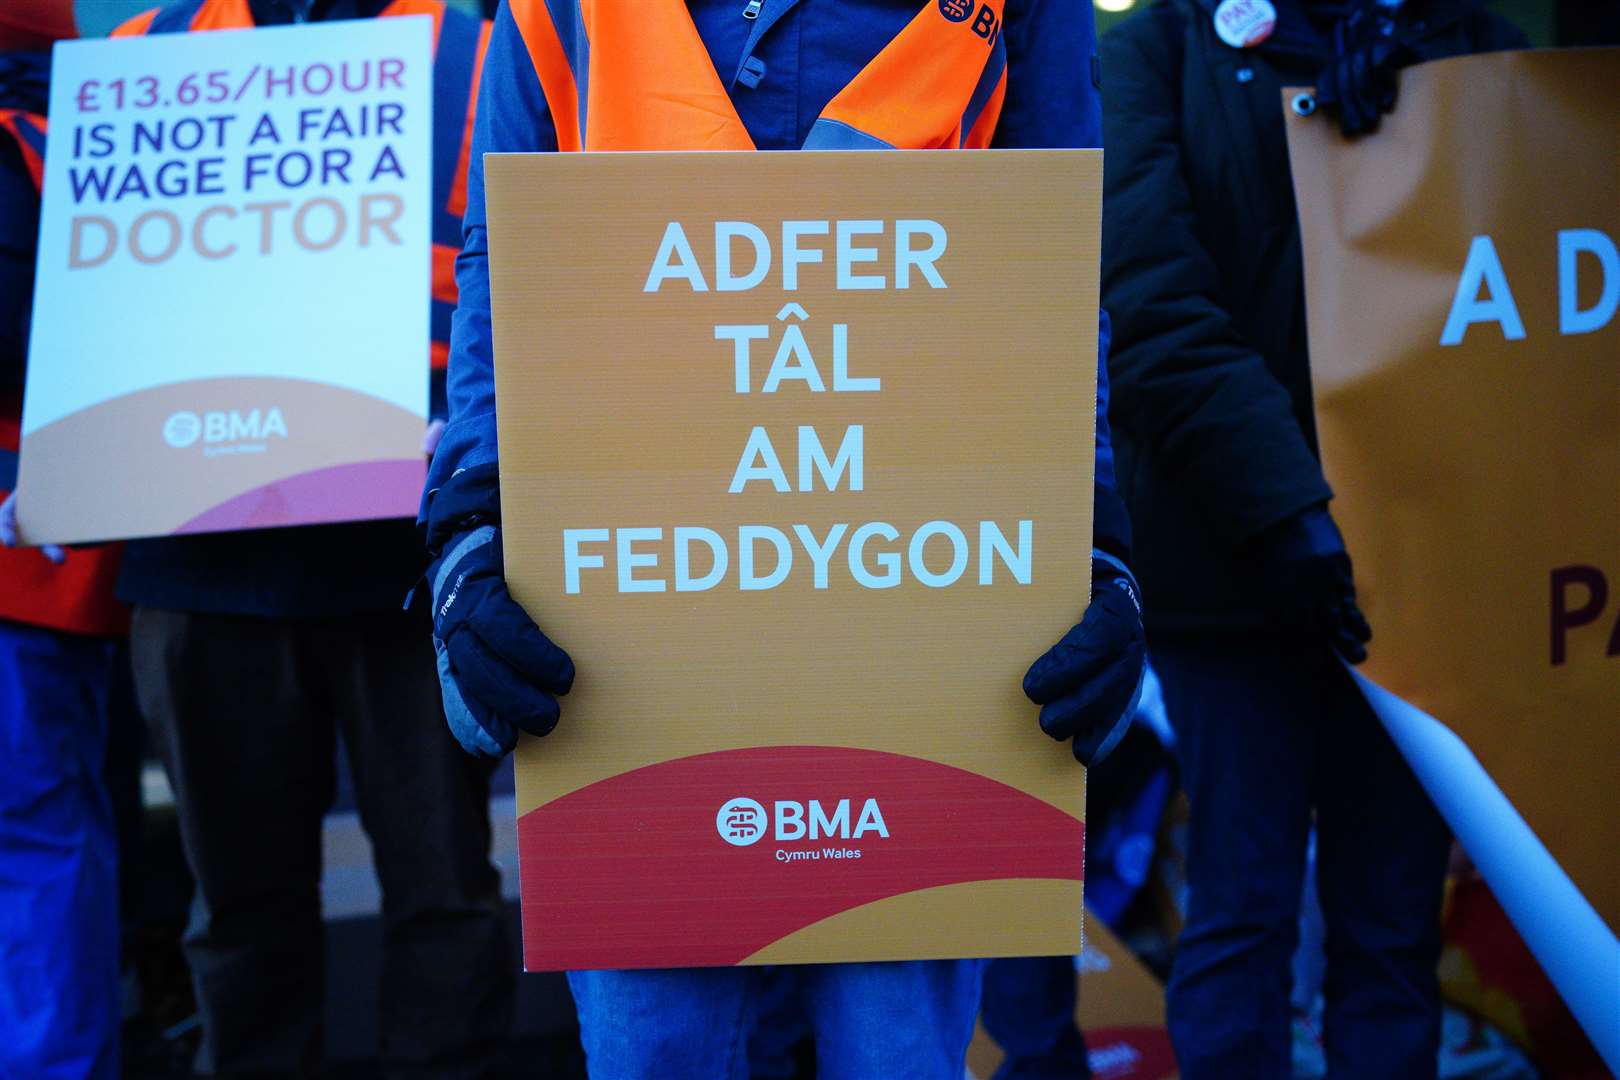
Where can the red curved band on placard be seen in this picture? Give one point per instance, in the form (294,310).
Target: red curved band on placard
(362,491)
(632,871)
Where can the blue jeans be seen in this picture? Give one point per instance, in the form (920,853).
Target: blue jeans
(900,1021)
(1268,731)
(59,1004)
(780,1024)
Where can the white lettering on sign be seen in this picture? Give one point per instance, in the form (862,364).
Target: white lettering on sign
(182,429)
(742,821)
(936,554)
(759,461)
(861,254)
(794,359)
(783,855)
(800,821)
(1483,295)
(858,250)
(1572,244)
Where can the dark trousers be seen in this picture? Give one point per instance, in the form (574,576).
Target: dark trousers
(244,712)
(1268,732)
(1028,1008)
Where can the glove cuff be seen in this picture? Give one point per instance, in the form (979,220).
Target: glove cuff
(1308,534)
(469,498)
(1105,566)
(458,550)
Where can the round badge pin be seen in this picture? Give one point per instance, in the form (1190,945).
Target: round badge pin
(1244,24)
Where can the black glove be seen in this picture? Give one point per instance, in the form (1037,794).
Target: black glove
(1307,571)
(1088,683)
(498,672)
(1358,86)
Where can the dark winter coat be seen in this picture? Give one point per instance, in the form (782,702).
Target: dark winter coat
(1202,273)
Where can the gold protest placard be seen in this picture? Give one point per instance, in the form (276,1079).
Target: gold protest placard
(796,461)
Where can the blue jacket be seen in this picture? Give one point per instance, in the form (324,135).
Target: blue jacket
(780,70)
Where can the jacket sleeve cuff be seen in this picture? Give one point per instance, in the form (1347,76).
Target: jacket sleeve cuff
(471,497)
(1111,523)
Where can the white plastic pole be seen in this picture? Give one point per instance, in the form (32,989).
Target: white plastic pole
(1578,951)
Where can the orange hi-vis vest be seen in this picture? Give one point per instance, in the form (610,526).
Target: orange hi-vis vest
(636,75)
(459,42)
(78,595)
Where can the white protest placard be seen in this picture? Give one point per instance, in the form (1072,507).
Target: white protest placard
(231,316)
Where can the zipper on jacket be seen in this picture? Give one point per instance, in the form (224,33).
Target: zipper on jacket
(752,10)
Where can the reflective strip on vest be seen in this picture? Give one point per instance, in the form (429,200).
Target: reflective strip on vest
(459,43)
(457,58)
(638,77)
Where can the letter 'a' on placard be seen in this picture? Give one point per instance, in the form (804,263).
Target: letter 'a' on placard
(230,325)
(796,461)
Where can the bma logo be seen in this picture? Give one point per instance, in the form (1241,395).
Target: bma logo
(743,821)
(740,822)
(184,428)
(987,25)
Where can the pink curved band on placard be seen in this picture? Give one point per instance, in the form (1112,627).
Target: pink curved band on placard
(225,453)
(364,490)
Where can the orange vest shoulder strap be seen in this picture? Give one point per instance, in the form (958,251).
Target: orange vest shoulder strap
(138,26)
(188,15)
(651,83)
(555,63)
(938,85)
